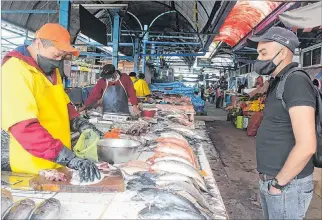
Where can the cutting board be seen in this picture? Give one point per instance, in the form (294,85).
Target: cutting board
(112,182)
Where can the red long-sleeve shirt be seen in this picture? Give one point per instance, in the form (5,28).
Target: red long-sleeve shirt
(32,136)
(99,89)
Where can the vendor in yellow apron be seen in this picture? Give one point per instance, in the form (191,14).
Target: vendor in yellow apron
(141,87)
(35,97)
(132,75)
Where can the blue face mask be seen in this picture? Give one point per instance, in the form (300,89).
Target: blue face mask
(266,67)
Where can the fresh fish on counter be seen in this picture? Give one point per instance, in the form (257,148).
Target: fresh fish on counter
(180,119)
(167,213)
(138,184)
(189,188)
(172,134)
(186,132)
(174,150)
(163,199)
(134,166)
(6,200)
(48,209)
(53,175)
(173,158)
(177,167)
(20,210)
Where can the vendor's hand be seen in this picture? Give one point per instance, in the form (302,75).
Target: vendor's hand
(87,169)
(136,110)
(80,125)
(80,109)
(274,191)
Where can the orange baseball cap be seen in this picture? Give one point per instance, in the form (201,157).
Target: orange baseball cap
(58,35)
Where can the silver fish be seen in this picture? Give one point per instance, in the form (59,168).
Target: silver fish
(167,213)
(186,187)
(177,177)
(177,167)
(20,210)
(48,209)
(179,159)
(6,200)
(163,199)
(186,132)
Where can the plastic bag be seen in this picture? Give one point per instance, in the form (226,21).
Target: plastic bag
(254,123)
(86,146)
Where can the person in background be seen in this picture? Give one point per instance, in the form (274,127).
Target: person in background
(202,92)
(286,139)
(241,86)
(196,89)
(259,82)
(132,75)
(211,94)
(141,87)
(37,113)
(206,94)
(112,91)
(218,97)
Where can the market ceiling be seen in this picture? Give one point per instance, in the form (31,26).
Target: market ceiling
(210,16)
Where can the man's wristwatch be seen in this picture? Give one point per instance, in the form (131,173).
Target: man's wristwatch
(275,184)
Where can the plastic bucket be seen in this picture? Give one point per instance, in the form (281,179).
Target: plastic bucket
(239,122)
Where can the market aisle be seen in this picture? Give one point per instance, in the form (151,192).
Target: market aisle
(234,167)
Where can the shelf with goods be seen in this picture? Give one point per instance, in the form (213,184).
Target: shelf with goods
(246,113)
(82,77)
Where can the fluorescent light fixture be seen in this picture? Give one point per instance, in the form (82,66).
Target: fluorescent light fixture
(101,6)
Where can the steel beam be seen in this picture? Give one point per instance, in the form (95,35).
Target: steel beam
(93,54)
(136,55)
(136,18)
(173,43)
(177,54)
(64,6)
(116,37)
(145,40)
(29,11)
(174,37)
(263,24)
(160,15)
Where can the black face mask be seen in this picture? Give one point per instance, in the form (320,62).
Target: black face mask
(266,67)
(48,65)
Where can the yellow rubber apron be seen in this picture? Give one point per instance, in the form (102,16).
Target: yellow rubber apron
(53,115)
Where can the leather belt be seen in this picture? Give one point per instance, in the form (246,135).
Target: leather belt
(265,177)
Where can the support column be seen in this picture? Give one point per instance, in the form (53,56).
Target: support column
(136,55)
(116,31)
(152,52)
(157,69)
(64,6)
(145,39)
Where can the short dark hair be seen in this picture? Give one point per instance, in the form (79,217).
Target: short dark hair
(141,76)
(132,74)
(108,69)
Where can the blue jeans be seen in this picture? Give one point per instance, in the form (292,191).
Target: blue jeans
(292,203)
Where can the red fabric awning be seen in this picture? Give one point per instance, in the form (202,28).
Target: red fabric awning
(243,18)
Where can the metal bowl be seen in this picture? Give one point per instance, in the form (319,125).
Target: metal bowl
(117,150)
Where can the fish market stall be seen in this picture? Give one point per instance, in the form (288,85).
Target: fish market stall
(167,177)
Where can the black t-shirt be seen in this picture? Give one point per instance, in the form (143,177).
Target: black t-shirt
(275,138)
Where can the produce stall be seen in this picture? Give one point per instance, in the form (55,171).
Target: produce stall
(167,175)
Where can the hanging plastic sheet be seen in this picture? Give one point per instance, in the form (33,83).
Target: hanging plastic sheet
(243,18)
(305,18)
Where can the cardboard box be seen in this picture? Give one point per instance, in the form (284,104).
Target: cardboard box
(318,181)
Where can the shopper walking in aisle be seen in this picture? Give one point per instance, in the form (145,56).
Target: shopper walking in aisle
(218,97)
(36,111)
(141,87)
(113,91)
(286,139)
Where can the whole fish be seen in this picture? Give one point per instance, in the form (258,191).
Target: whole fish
(174,158)
(189,188)
(172,134)
(48,209)
(177,167)
(20,210)
(140,183)
(163,199)
(167,213)
(6,200)
(177,177)
(186,132)
(175,150)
